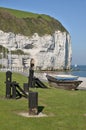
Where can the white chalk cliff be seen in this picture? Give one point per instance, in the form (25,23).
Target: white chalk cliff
(49,51)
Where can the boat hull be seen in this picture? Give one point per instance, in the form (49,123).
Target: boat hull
(68,84)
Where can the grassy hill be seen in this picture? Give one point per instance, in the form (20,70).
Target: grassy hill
(28,23)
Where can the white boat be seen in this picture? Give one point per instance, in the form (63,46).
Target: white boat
(63,84)
(66,77)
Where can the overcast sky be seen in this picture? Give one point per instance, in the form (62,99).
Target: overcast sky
(71,13)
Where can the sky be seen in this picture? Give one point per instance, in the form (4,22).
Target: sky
(71,13)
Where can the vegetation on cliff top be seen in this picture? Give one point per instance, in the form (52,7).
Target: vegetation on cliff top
(4,51)
(28,23)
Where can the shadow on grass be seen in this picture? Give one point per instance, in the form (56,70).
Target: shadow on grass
(40,108)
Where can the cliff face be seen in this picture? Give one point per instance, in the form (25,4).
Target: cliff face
(49,51)
(55,52)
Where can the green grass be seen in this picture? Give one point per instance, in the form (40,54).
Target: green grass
(28,23)
(19,13)
(66,110)
(24,14)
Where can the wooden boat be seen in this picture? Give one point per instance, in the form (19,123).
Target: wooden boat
(63,84)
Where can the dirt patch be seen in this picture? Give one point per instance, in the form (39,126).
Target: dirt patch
(26,114)
(84,114)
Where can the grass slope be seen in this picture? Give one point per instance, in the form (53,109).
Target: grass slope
(66,110)
(28,23)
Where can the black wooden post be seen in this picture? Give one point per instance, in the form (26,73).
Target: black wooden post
(33,103)
(25,87)
(13,91)
(31,74)
(9,76)
(8,83)
(8,90)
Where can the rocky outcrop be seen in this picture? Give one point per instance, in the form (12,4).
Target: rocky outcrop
(49,51)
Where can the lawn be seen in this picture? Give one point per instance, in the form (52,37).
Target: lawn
(65,110)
